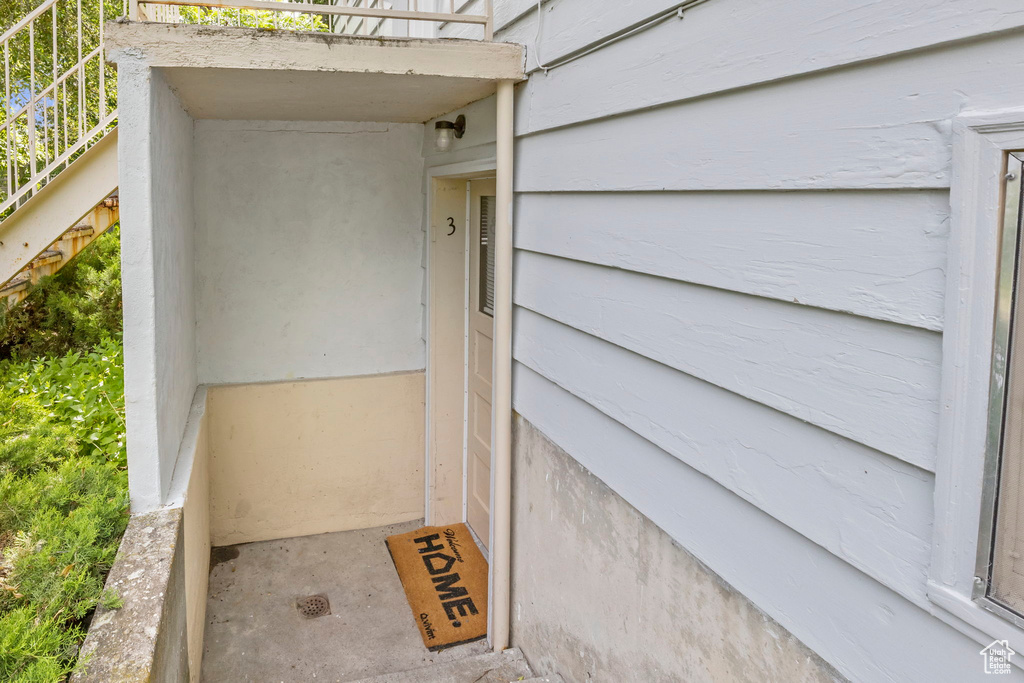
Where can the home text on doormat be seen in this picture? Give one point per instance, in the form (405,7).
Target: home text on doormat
(445,580)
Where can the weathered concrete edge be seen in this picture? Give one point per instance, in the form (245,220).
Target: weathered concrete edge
(227,47)
(144,639)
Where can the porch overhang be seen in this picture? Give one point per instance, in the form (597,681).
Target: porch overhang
(239,73)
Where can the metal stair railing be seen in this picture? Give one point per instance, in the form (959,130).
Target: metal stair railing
(59,93)
(350,17)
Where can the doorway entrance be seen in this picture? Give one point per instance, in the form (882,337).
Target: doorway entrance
(461,352)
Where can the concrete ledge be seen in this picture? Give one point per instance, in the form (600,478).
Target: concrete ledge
(144,639)
(232,73)
(185,45)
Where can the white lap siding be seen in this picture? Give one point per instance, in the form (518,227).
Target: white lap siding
(731,245)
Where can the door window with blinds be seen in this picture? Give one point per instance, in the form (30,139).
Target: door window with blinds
(487,255)
(999,583)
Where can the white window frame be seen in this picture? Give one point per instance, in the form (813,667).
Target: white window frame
(981,142)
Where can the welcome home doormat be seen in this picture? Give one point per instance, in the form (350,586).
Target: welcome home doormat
(445,580)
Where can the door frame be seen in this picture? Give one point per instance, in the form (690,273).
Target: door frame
(458,171)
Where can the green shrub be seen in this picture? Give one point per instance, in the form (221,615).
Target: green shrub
(63,504)
(72,310)
(83,393)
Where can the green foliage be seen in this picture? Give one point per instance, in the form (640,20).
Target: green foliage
(63,504)
(75,106)
(73,310)
(109,599)
(25,648)
(63,484)
(82,396)
(255,18)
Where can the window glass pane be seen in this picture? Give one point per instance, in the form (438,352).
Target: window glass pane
(486,255)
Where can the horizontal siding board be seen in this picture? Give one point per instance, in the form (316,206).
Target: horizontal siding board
(876,254)
(746,141)
(685,59)
(865,507)
(850,619)
(876,126)
(874,382)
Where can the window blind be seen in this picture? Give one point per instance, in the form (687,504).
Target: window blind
(487,255)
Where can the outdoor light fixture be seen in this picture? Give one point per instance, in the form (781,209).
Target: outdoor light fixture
(446,129)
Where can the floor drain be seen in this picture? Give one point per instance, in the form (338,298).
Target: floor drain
(314,606)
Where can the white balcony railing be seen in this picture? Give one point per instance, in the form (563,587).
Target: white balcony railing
(59,95)
(385,18)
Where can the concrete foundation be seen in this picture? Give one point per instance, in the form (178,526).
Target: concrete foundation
(145,638)
(599,593)
(254,632)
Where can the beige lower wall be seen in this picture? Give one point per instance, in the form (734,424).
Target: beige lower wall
(196,521)
(600,593)
(299,458)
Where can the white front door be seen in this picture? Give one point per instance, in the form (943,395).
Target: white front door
(481,354)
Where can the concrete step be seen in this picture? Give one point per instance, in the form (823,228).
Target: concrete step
(80,230)
(553,678)
(18,284)
(503,667)
(47,257)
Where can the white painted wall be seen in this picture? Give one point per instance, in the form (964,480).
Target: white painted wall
(749,360)
(308,249)
(258,251)
(155,159)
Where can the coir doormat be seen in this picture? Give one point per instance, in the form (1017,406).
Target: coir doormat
(445,580)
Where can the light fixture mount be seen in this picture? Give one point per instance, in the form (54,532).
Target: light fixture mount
(446,131)
(458,127)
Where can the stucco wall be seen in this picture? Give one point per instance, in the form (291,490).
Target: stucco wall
(155,159)
(309,249)
(299,458)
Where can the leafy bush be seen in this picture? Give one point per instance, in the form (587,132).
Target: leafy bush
(85,392)
(255,18)
(73,310)
(63,504)
(63,478)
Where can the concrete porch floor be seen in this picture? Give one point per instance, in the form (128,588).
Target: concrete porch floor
(255,633)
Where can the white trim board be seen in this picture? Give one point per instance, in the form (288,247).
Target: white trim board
(981,141)
(465,371)
(455,170)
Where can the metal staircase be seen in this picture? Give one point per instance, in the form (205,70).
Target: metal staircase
(58,254)
(58,139)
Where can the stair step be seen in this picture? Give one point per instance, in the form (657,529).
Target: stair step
(492,667)
(47,257)
(81,229)
(14,286)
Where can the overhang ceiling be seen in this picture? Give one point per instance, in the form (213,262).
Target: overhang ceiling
(240,73)
(213,93)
